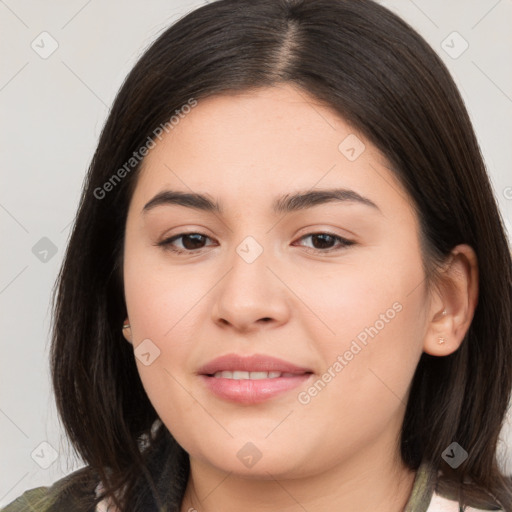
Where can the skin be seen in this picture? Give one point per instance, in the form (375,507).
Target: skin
(340,451)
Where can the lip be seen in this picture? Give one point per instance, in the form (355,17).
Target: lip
(253,363)
(246,391)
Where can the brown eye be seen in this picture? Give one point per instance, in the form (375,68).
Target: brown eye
(190,242)
(323,242)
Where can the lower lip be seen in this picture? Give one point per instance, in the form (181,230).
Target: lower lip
(246,391)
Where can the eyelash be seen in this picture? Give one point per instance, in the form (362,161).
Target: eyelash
(167,243)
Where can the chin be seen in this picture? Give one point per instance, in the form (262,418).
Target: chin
(259,460)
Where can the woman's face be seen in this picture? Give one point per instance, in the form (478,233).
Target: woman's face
(267,276)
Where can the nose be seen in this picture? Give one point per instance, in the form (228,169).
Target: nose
(250,296)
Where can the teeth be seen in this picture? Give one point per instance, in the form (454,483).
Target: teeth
(239,375)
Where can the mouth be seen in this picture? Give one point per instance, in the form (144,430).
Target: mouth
(251,379)
(241,375)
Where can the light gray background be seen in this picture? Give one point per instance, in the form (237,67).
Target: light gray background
(52,111)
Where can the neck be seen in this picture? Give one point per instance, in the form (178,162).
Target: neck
(367,482)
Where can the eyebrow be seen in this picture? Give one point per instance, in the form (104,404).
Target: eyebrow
(300,200)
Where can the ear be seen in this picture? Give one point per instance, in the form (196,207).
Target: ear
(127,331)
(456,292)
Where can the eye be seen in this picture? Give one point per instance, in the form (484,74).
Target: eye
(323,241)
(191,242)
(194,242)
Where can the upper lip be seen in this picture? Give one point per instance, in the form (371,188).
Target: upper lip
(253,363)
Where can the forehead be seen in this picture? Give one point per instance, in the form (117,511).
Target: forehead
(278,119)
(260,144)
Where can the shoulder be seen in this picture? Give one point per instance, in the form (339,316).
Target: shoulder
(440,503)
(74,492)
(38,499)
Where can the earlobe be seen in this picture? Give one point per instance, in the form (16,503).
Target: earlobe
(439,339)
(454,304)
(127,331)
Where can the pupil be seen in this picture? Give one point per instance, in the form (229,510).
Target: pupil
(323,244)
(188,237)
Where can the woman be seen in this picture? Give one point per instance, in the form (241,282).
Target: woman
(288,277)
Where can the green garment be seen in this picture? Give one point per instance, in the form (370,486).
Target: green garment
(59,497)
(44,499)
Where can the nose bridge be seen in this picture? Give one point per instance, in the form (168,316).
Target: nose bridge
(249,291)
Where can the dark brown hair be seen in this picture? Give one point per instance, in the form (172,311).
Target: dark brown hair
(377,73)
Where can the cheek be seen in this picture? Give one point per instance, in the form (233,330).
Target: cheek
(164,303)
(365,382)
(159,296)
(370,302)
(375,317)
